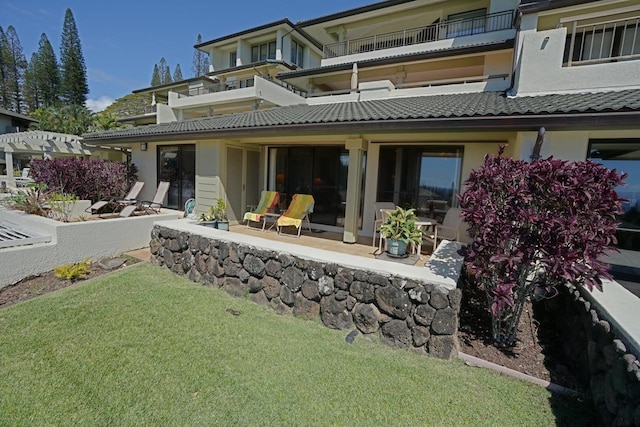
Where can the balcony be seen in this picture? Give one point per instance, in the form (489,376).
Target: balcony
(438,31)
(217,87)
(607,41)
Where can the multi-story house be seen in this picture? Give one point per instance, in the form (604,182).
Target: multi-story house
(395,101)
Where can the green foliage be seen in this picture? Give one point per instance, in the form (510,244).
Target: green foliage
(200,60)
(129,105)
(401,225)
(61,205)
(73,271)
(104,121)
(177,74)
(14,64)
(221,209)
(71,119)
(42,78)
(165,72)
(155,77)
(33,199)
(73,84)
(210,215)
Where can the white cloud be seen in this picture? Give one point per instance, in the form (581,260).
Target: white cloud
(97,105)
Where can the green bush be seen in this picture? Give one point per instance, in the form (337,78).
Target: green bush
(73,271)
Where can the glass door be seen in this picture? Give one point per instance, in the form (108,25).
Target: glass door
(177,165)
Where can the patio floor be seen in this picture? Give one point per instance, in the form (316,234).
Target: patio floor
(326,240)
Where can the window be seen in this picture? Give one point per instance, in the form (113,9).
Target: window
(604,42)
(233,58)
(297,53)
(261,52)
(466,23)
(624,156)
(423,177)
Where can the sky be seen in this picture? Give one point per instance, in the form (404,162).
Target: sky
(123,40)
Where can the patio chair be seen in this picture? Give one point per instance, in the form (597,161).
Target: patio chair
(24,179)
(267,205)
(378,217)
(452,228)
(117,203)
(156,204)
(299,209)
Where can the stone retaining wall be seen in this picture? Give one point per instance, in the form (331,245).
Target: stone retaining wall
(601,359)
(405,312)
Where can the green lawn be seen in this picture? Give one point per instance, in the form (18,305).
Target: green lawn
(144,347)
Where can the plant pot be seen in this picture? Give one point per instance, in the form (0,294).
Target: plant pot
(210,224)
(223,225)
(396,248)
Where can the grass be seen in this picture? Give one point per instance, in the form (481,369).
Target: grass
(144,347)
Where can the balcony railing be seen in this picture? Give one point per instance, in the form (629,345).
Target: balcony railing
(438,31)
(217,87)
(150,109)
(613,40)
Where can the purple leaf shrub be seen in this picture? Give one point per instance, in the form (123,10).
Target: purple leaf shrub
(536,226)
(88,179)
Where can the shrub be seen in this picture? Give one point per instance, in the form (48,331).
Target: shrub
(536,226)
(33,199)
(61,206)
(73,271)
(88,179)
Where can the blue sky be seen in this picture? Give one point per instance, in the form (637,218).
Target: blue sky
(122,40)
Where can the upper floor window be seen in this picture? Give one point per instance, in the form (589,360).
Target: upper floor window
(609,40)
(466,23)
(297,53)
(233,58)
(261,52)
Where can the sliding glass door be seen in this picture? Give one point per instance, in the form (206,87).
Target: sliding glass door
(177,165)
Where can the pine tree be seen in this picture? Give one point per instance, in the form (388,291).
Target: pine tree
(177,74)
(48,76)
(4,94)
(32,93)
(73,84)
(200,61)
(155,78)
(15,65)
(165,71)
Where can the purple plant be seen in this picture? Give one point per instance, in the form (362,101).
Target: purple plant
(88,179)
(536,226)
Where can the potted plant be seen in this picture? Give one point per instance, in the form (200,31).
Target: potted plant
(399,230)
(221,214)
(208,219)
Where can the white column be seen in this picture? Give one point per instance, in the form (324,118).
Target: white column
(8,158)
(356,147)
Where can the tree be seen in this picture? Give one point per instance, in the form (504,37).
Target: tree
(48,73)
(72,119)
(536,226)
(32,94)
(73,84)
(155,78)
(177,74)
(164,71)
(4,57)
(200,60)
(14,65)
(104,121)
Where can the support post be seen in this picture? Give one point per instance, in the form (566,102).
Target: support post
(357,147)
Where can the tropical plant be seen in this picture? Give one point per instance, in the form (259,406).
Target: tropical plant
(220,210)
(209,215)
(61,206)
(33,199)
(400,224)
(536,226)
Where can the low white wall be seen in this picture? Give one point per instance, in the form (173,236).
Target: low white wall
(73,242)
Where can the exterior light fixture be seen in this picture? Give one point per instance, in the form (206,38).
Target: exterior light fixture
(143,146)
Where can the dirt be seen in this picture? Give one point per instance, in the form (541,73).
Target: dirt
(536,352)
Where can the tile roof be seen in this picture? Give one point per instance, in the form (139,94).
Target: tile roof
(431,109)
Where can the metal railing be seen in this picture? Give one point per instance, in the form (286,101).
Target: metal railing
(217,87)
(438,31)
(607,41)
(150,109)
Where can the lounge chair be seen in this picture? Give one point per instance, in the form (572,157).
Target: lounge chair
(24,179)
(299,209)
(147,207)
(452,228)
(118,203)
(267,205)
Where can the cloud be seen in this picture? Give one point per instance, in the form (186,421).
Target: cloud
(97,105)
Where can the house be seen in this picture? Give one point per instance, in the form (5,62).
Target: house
(395,101)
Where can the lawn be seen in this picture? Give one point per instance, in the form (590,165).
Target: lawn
(144,347)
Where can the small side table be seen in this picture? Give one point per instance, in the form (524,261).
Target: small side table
(274,217)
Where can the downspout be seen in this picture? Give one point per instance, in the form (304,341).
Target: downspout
(517,20)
